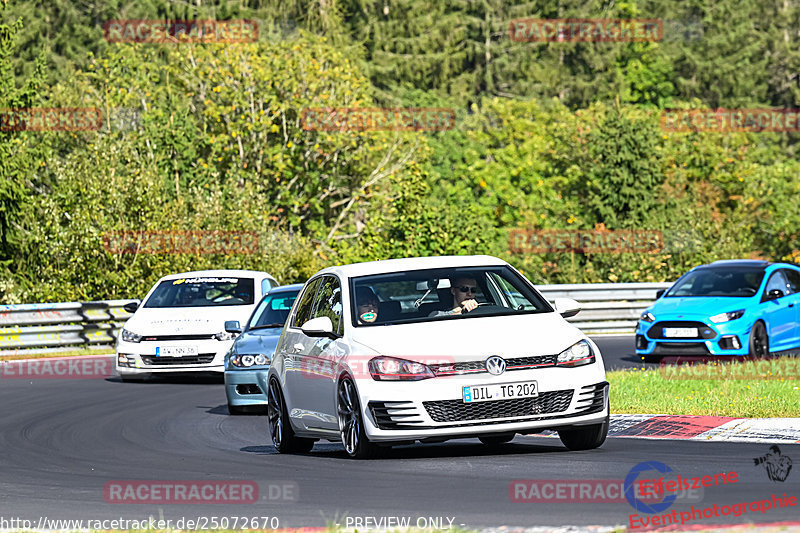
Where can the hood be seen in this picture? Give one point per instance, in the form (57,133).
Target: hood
(468,339)
(185,320)
(704,306)
(259,341)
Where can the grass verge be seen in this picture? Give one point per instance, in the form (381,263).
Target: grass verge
(69,353)
(748,389)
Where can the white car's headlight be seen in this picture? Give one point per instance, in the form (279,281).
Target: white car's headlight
(393,369)
(250,360)
(724,317)
(647,316)
(129,336)
(224,336)
(578,354)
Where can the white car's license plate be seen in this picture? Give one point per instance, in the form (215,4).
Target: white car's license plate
(500,391)
(175,351)
(683,333)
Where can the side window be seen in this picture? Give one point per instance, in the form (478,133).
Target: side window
(793,276)
(777,281)
(329,302)
(303,313)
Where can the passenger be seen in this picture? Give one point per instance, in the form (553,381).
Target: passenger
(367,305)
(463,289)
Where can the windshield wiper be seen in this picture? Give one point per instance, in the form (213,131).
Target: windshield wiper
(262,326)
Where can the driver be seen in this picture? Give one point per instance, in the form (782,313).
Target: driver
(367,305)
(463,289)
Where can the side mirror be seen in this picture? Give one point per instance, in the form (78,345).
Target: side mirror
(233,326)
(131,307)
(567,307)
(660,293)
(774,294)
(319,327)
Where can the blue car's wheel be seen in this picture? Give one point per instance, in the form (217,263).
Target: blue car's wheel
(759,340)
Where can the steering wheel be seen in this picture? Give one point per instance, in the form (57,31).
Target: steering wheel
(463,310)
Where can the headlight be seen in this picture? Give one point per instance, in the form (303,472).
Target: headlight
(250,360)
(578,354)
(394,369)
(647,316)
(129,336)
(225,336)
(724,317)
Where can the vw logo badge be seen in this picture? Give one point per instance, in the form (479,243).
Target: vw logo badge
(496,365)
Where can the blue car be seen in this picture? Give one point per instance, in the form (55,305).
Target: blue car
(248,360)
(726,308)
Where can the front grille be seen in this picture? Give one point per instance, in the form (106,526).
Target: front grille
(686,348)
(395,415)
(477,367)
(591,398)
(656,331)
(201,359)
(199,337)
(458,411)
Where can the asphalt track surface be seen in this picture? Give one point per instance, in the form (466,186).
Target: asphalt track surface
(62,441)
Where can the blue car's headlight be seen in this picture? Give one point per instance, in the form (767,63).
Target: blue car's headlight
(129,336)
(725,317)
(248,360)
(647,316)
(578,354)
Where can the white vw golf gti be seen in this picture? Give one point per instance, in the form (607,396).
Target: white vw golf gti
(430,349)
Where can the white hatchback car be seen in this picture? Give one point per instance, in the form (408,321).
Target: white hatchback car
(180,326)
(430,349)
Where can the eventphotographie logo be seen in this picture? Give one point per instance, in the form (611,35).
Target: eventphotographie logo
(181,31)
(723,120)
(378,119)
(89,367)
(585,30)
(51,119)
(584,241)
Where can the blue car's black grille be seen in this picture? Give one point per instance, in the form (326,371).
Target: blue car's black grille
(704,332)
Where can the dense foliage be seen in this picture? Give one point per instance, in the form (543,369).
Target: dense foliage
(548,135)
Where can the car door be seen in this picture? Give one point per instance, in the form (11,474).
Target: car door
(793,277)
(292,348)
(779,312)
(324,354)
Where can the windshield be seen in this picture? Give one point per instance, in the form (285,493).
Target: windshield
(273,309)
(738,282)
(441,294)
(202,292)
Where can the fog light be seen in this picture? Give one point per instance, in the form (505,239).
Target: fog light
(730,342)
(641,342)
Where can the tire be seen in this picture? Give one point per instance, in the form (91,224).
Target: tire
(585,438)
(496,440)
(280,429)
(759,341)
(351,424)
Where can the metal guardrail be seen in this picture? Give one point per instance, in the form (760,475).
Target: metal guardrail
(605,308)
(57,326)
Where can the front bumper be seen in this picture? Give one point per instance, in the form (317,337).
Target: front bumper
(246,387)
(142,359)
(714,339)
(434,408)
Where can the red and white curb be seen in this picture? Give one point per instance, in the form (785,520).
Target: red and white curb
(706,428)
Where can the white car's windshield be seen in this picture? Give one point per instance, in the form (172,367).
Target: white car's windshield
(202,292)
(430,295)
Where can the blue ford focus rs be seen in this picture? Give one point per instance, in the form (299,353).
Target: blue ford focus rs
(734,307)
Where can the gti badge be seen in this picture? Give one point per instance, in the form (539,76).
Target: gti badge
(496,365)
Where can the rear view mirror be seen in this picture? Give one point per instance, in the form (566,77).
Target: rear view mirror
(660,293)
(131,307)
(567,307)
(233,326)
(319,327)
(774,294)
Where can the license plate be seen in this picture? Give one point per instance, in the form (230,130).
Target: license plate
(500,391)
(684,333)
(175,351)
